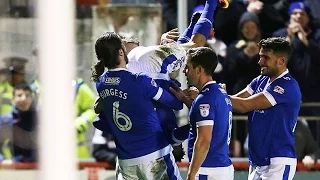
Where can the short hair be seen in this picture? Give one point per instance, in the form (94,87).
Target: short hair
(204,57)
(130,40)
(22,86)
(279,45)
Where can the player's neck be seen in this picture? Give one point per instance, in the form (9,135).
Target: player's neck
(202,81)
(272,78)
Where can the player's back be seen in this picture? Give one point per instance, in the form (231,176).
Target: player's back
(127,103)
(213,103)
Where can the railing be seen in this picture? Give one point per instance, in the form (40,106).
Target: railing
(240,164)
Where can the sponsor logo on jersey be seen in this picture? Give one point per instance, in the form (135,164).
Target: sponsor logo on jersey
(204,109)
(228,101)
(112,80)
(287,78)
(278,89)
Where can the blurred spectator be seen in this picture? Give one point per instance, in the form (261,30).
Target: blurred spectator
(5,92)
(306,147)
(307,150)
(104,148)
(17,67)
(304,62)
(272,16)
(12,74)
(18,129)
(315,11)
(226,21)
(243,54)
(84,101)
(242,58)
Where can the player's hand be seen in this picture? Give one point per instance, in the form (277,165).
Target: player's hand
(308,162)
(175,90)
(191,93)
(255,6)
(170,36)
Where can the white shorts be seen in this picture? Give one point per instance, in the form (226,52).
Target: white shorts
(218,173)
(161,168)
(273,172)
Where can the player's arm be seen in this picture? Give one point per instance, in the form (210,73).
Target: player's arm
(165,98)
(242,94)
(200,149)
(254,102)
(202,28)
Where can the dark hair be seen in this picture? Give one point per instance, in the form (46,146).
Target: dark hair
(22,86)
(279,45)
(204,57)
(107,47)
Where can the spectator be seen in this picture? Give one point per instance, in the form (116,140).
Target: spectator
(243,54)
(304,62)
(5,92)
(307,148)
(21,146)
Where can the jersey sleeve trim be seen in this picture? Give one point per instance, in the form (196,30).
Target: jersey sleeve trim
(158,95)
(205,123)
(249,90)
(270,98)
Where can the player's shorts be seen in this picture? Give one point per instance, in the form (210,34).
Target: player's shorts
(274,171)
(161,168)
(217,173)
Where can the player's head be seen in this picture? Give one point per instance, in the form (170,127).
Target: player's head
(200,61)
(110,53)
(130,43)
(274,53)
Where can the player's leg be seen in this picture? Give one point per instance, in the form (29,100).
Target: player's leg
(217,173)
(161,168)
(272,172)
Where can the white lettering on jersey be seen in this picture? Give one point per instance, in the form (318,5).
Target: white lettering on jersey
(228,101)
(278,89)
(112,80)
(113,92)
(204,109)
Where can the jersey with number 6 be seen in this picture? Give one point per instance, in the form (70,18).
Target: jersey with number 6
(130,115)
(212,107)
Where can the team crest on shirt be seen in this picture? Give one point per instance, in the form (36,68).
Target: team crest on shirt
(278,89)
(204,110)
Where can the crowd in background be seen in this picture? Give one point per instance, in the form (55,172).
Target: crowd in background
(237,30)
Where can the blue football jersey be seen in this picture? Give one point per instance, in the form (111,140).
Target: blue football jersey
(130,114)
(271,131)
(212,107)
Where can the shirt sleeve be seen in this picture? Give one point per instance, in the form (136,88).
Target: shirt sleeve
(204,111)
(279,92)
(153,91)
(252,86)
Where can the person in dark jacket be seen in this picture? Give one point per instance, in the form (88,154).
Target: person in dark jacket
(304,62)
(20,144)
